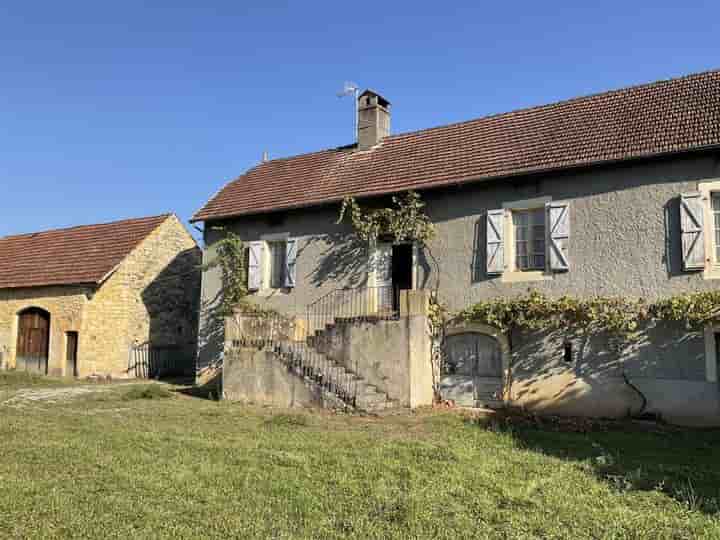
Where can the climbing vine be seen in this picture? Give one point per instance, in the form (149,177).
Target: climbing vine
(438,315)
(535,311)
(619,316)
(231,259)
(404,221)
(694,310)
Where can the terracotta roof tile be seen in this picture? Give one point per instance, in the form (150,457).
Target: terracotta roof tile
(642,121)
(78,255)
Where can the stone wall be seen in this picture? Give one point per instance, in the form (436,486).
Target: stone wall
(66,306)
(392,355)
(252,376)
(152,296)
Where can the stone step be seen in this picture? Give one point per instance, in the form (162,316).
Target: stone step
(386,405)
(368,401)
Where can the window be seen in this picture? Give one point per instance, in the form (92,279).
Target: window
(278,251)
(527,240)
(271,264)
(529,229)
(715,209)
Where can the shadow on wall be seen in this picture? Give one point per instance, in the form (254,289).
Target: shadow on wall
(172,302)
(479,255)
(589,380)
(673,253)
(343,260)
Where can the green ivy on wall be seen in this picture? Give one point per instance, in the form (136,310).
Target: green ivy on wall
(231,259)
(404,221)
(619,316)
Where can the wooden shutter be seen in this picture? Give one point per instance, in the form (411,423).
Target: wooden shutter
(558,215)
(495,262)
(691,227)
(290,256)
(255,257)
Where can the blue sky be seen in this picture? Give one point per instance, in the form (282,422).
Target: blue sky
(115,110)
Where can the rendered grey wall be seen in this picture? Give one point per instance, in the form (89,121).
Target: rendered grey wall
(624,222)
(625,241)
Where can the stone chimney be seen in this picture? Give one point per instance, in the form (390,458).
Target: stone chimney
(373,119)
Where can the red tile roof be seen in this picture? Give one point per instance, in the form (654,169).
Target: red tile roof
(642,121)
(78,255)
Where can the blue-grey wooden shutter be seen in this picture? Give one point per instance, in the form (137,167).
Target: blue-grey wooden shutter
(692,231)
(255,271)
(558,216)
(495,261)
(290,257)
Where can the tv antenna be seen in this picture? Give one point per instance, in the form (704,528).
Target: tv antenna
(351,89)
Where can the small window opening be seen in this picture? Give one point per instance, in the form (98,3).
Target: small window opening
(567,353)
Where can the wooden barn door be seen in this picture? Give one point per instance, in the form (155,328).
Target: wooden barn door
(33,341)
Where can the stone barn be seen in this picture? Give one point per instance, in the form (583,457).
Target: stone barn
(109,299)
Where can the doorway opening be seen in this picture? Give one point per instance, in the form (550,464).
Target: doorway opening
(402,271)
(33,342)
(71,368)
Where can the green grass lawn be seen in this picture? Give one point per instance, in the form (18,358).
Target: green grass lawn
(142,462)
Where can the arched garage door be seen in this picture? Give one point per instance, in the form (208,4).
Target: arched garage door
(472,375)
(33,341)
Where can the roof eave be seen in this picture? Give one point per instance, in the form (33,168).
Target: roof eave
(458,181)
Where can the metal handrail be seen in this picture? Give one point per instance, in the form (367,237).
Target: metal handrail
(357,304)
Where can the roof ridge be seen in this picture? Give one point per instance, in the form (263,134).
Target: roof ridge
(658,82)
(485,117)
(74,227)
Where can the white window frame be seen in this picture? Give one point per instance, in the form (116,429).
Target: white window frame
(512,274)
(266,278)
(712,265)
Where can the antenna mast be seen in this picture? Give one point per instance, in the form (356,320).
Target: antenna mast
(352,89)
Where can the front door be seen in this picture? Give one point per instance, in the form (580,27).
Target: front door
(71,354)
(393,264)
(33,341)
(472,375)
(402,274)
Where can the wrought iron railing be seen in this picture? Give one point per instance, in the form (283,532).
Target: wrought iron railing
(353,304)
(148,361)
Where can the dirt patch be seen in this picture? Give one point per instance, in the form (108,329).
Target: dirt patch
(28,396)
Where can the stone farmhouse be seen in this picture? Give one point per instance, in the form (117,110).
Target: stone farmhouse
(614,194)
(80,301)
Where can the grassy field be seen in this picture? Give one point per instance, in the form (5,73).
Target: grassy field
(150,462)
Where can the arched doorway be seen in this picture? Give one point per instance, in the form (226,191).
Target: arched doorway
(33,343)
(472,374)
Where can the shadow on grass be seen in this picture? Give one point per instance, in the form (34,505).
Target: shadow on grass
(208,389)
(630,456)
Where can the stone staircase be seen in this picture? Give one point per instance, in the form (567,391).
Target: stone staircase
(346,389)
(309,350)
